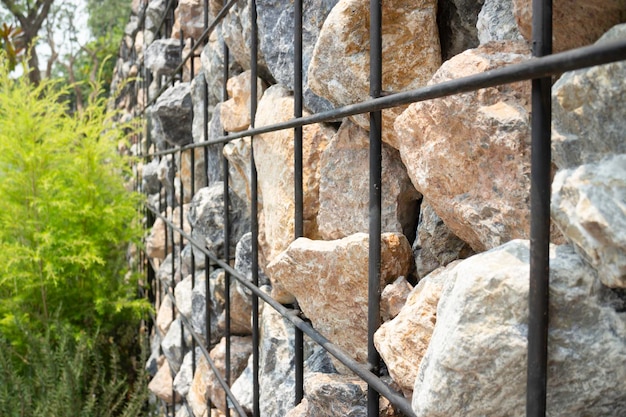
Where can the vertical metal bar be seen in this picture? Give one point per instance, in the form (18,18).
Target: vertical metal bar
(375,168)
(182,48)
(254,42)
(173,270)
(298,179)
(226,233)
(205,107)
(538,296)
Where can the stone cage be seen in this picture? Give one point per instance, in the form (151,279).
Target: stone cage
(340,196)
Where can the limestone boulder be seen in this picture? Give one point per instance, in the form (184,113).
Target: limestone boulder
(167,174)
(215,303)
(436,245)
(330,395)
(329,280)
(274,158)
(235,112)
(212,59)
(150,177)
(187,165)
(276,25)
(163,56)
(469,154)
(173,110)
(480,339)
(457,25)
(164,316)
(188,17)
(238,154)
(575,23)
(183,295)
(587,112)
(589,206)
(339,68)
(215,169)
(344,187)
(161,384)
(174,343)
(157,241)
(393,298)
(184,377)
(496,22)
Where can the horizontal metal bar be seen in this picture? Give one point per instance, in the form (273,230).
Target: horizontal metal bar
(293,316)
(574,59)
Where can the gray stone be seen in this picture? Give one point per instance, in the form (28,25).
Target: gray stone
(215,304)
(480,340)
(243,264)
(589,206)
(167,174)
(238,154)
(152,364)
(206,217)
(163,56)
(331,395)
(173,110)
(154,13)
(589,118)
(393,297)
(150,177)
(172,346)
(457,25)
(198,84)
(184,377)
(436,245)
(183,294)
(496,22)
(215,169)
(276,24)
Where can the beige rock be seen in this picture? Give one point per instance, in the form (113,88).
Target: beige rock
(238,154)
(468,154)
(235,113)
(205,384)
(575,22)
(185,172)
(155,242)
(589,206)
(329,280)
(274,157)
(393,298)
(164,317)
(240,313)
(339,68)
(480,340)
(344,187)
(188,16)
(161,384)
(402,342)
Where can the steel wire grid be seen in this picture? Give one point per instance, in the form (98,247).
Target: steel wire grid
(539,70)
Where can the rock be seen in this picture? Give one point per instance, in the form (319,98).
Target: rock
(402,342)
(238,154)
(161,384)
(496,22)
(188,16)
(157,242)
(588,118)
(164,316)
(185,165)
(479,187)
(184,377)
(173,110)
(167,173)
(575,22)
(235,112)
(240,312)
(344,188)
(150,177)
(589,206)
(436,245)
(329,280)
(166,272)
(330,395)
(274,157)
(276,25)
(216,304)
(339,68)
(154,13)
(173,348)
(183,293)
(212,58)
(152,364)
(393,298)
(457,25)
(480,339)
(236,29)
(163,56)
(198,87)
(206,217)
(215,170)
(205,384)
(243,264)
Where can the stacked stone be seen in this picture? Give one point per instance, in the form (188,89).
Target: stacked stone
(455,210)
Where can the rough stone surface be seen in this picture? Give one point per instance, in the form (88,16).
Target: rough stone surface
(331,395)
(188,16)
(172,347)
(199,171)
(238,154)
(215,170)
(150,177)
(198,84)
(205,384)
(339,68)
(329,280)
(235,112)
(496,22)
(206,218)
(589,206)
(156,240)
(212,58)
(479,341)
(457,25)
(216,304)
(173,110)
(163,56)
(393,298)
(402,342)
(184,377)
(161,384)
(276,23)
(240,312)
(274,156)
(183,294)
(436,245)
(166,176)
(164,316)
(344,188)
(575,22)
(479,187)
(589,119)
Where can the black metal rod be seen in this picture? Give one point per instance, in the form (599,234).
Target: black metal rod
(538,296)
(298,180)
(375,185)
(587,56)
(294,317)
(226,230)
